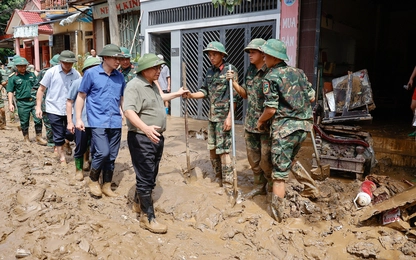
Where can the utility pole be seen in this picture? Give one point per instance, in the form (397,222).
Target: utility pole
(113,21)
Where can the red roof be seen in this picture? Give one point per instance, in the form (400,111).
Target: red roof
(34,18)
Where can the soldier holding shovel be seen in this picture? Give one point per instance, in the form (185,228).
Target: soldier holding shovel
(216,88)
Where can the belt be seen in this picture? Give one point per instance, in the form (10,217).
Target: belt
(25,99)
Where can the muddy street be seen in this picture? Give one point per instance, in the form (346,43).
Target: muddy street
(47,214)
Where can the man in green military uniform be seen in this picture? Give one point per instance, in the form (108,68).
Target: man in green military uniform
(258,141)
(20,85)
(49,134)
(288,97)
(3,79)
(126,68)
(216,88)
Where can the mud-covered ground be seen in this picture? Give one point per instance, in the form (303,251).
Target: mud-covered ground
(46,214)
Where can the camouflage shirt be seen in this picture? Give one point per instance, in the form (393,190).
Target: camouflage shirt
(255,97)
(288,90)
(217,89)
(128,73)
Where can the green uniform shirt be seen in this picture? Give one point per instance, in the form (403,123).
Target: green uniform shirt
(145,100)
(253,85)
(21,84)
(288,90)
(217,89)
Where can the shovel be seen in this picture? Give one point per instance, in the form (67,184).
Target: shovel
(235,193)
(322,171)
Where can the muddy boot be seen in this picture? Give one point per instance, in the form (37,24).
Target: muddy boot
(303,177)
(259,187)
(40,140)
(67,147)
(277,207)
(26,135)
(79,175)
(136,203)
(216,165)
(2,119)
(147,219)
(228,183)
(107,178)
(87,165)
(94,186)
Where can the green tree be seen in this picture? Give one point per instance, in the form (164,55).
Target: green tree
(227,3)
(7,8)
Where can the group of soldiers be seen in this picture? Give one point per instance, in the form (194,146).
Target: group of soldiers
(278,117)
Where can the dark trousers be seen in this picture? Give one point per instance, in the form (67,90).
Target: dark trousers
(81,140)
(105,142)
(60,133)
(145,156)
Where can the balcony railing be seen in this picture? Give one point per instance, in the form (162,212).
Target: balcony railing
(53,4)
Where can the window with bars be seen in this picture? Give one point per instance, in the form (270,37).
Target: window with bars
(207,10)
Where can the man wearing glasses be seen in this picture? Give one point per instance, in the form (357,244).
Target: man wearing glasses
(102,87)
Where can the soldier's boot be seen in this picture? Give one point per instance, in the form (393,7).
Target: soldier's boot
(39,139)
(86,166)
(107,178)
(148,219)
(3,119)
(67,147)
(26,135)
(303,177)
(79,175)
(228,183)
(216,165)
(277,207)
(94,186)
(136,203)
(259,188)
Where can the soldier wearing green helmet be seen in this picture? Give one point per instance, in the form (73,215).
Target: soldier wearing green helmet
(20,86)
(81,152)
(126,68)
(216,88)
(3,79)
(101,92)
(146,122)
(258,142)
(288,97)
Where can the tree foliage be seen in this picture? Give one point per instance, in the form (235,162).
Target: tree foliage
(229,4)
(7,8)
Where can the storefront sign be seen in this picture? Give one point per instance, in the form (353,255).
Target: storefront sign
(25,31)
(123,6)
(289,25)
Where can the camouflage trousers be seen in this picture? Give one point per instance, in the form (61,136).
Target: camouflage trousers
(218,139)
(284,151)
(258,147)
(49,133)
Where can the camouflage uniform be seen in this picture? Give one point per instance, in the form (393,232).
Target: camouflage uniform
(258,143)
(128,73)
(45,118)
(3,79)
(287,89)
(216,89)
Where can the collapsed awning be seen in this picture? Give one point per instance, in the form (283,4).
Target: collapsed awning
(83,15)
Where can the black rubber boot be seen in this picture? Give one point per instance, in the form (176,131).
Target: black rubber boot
(148,219)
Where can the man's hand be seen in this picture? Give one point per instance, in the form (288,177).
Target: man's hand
(261,126)
(151,133)
(80,125)
(183,92)
(227,124)
(11,108)
(71,127)
(39,113)
(230,75)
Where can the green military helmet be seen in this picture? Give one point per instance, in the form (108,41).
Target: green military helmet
(111,50)
(10,64)
(215,46)
(255,44)
(67,56)
(16,56)
(91,62)
(148,60)
(125,52)
(275,48)
(55,60)
(20,61)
